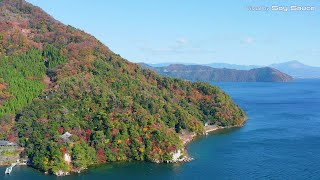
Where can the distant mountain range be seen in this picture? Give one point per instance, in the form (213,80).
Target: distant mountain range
(232,66)
(295,69)
(298,70)
(209,74)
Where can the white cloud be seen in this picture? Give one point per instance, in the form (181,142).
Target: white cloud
(248,40)
(182,41)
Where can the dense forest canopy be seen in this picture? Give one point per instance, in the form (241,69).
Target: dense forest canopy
(56,79)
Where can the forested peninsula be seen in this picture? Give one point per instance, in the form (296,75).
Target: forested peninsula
(70,102)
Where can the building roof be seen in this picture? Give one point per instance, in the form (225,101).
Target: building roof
(66,135)
(3,143)
(7,143)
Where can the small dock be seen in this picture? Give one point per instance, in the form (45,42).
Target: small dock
(10,168)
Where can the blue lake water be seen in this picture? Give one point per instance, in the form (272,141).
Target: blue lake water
(281,140)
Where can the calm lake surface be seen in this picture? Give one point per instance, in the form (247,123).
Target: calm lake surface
(281,140)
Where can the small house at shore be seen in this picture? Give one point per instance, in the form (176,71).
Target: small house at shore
(66,136)
(7,143)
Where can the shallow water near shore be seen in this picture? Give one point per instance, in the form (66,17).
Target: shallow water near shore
(280,140)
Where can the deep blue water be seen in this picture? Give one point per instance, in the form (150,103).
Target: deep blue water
(281,140)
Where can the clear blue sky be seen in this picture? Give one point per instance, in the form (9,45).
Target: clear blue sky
(196,31)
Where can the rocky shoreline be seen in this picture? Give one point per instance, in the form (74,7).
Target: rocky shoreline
(187,137)
(213,128)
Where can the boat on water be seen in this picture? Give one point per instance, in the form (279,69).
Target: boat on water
(9,169)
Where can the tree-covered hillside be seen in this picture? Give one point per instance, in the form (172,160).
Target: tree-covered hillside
(56,79)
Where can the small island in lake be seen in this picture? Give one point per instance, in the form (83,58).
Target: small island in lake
(71,102)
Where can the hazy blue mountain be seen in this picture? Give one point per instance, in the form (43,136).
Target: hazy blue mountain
(166,64)
(209,74)
(295,69)
(232,66)
(298,70)
(213,65)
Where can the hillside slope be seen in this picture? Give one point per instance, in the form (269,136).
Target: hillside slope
(208,74)
(71,102)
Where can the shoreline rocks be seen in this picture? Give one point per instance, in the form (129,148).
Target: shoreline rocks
(179,156)
(61,173)
(187,137)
